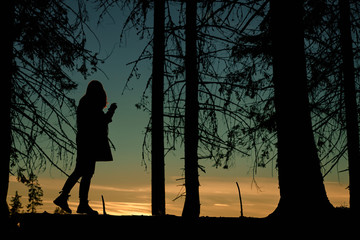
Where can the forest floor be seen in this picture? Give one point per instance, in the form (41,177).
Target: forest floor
(45,225)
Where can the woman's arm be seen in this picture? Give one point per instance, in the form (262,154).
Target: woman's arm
(110,113)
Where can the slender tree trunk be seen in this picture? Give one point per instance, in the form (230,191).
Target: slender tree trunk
(300,180)
(192,201)
(157,112)
(352,127)
(6,90)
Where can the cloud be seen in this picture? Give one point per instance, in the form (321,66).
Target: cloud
(117,189)
(123,208)
(221,205)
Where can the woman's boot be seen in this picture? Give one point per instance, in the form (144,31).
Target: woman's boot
(61,201)
(85,208)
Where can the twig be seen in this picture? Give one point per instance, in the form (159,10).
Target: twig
(103,202)
(241,206)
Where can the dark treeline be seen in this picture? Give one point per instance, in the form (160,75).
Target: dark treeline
(274,80)
(269,80)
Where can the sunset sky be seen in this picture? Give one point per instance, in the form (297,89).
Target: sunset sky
(125,182)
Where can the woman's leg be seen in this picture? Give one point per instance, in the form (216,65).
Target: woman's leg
(84,190)
(61,201)
(71,181)
(84,187)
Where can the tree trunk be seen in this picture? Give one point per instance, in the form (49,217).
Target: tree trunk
(157,112)
(6,90)
(192,201)
(301,184)
(352,127)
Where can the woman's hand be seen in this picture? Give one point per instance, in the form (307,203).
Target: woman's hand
(113,107)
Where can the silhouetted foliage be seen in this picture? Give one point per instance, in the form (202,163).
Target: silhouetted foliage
(217,140)
(323,63)
(35,193)
(15,204)
(236,87)
(49,42)
(224,128)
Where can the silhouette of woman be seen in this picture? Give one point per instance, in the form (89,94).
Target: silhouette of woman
(92,145)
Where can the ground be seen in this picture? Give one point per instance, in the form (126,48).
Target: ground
(75,225)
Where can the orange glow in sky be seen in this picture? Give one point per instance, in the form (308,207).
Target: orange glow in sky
(218,196)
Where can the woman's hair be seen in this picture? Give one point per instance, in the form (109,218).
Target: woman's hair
(96,95)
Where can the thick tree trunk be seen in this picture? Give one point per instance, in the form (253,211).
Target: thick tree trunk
(6,90)
(157,112)
(192,200)
(352,127)
(300,179)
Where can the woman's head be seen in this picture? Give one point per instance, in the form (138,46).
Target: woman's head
(96,95)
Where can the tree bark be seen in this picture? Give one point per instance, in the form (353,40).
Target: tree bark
(157,112)
(352,127)
(300,180)
(6,146)
(6,92)
(192,200)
